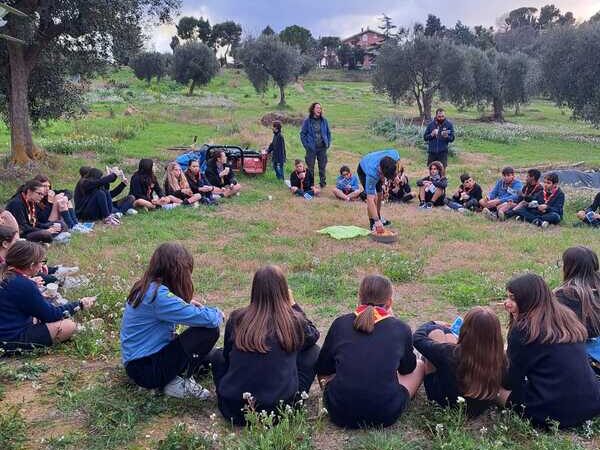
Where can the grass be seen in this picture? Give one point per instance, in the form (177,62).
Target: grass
(76,395)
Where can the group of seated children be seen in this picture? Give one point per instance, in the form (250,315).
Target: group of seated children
(367,368)
(46,215)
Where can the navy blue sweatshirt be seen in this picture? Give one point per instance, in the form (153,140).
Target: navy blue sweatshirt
(553,381)
(212,174)
(306,184)
(87,187)
(21,301)
(270,377)
(555,203)
(365,389)
(442,385)
(277,148)
(139,188)
(17,207)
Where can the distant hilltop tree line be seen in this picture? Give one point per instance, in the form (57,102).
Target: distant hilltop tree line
(531,52)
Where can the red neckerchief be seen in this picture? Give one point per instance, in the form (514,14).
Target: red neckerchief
(547,197)
(30,210)
(379,312)
(529,189)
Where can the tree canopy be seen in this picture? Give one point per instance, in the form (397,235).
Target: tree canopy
(194,63)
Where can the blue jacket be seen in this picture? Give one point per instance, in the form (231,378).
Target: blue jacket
(308,138)
(438,144)
(149,327)
(506,193)
(347,185)
(21,301)
(555,203)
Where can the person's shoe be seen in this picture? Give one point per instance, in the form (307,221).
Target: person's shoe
(196,205)
(89,225)
(385,222)
(447,208)
(170,206)
(461,210)
(131,212)
(501,216)
(186,388)
(118,215)
(489,214)
(323,184)
(537,222)
(545,224)
(307,196)
(428,205)
(422,205)
(518,219)
(79,228)
(62,238)
(407,198)
(112,220)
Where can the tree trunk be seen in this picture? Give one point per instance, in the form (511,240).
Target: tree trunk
(22,147)
(281,96)
(518,109)
(427,101)
(192,86)
(498,106)
(419,104)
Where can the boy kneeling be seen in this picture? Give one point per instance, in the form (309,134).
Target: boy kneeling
(302,181)
(547,207)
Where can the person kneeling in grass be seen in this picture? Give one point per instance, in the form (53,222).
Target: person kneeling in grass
(467,196)
(269,351)
(590,215)
(432,188)
(503,195)
(154,355)
(347,187)
(27,319)
(367,368)
(547,207)
(472,366)
(147,192)
(302,181)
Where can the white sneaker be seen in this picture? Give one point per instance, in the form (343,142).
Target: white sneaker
(63,271)
(131,212)
(78,228)
(118,215)
(545,224)
(62,238)
(170,206)
(186,388)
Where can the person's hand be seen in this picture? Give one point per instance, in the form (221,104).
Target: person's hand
(87,302)
(55,228)
(187,191)
(197,301)
(38,280)
(302,175)
(434,132)
(124,180)
(596,216)
(542,208)
(426,183)
(155,201)
(44,269)
(445,134)
(379,227)
(294,189)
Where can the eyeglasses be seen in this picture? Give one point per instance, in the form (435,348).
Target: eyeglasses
(39,193)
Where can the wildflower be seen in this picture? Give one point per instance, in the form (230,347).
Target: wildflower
(439,428)
(288,409)
(215,437)
(303,395)
(324,411)
(460,399)
(483,430)
(246,396)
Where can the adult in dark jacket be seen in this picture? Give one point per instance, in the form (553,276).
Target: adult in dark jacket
(367,367)
(548,206)
(94,200)
(21,302)
(269,350)
(316,139)
(23,207)
(277,150)
(220,174)
(549,376)
(438,134)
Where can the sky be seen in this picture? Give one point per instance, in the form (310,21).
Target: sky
(344,18)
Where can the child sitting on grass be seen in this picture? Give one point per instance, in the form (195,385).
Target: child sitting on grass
(547,207)
(467,196)
(590,215)
(503,195)
(432,188)
(399,188)
(302,181)
(147,192)
(347,187)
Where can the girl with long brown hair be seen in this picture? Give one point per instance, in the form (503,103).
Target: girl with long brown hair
(27,320)
(269,349)
(471,366)
(146,190)
(176,185)
(155,357)
(57,207)
(580,290)
(367,367)
(549,375)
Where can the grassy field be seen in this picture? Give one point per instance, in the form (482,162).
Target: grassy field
(77,396)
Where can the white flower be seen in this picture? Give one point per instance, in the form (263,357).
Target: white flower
(483,430)
(324,411)
(460,399)
(288,409)
(213,416)
(246,395)
(439,428)
(303,395)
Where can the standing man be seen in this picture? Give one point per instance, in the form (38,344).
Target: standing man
(372,172)
(316,139)
(439,133)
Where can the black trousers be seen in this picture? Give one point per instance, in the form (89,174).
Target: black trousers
(320,155)
(233,410)
(441,157)
(185,355)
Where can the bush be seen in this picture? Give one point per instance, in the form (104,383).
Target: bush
(98,144)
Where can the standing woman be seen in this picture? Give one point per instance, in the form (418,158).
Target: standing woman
(549,377)
(146,189)
(27,320)
(580,290)
(472,366)
(367,367)
(316,139)
(269,350)
(155,356)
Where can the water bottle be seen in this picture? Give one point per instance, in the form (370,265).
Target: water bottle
(455,327)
